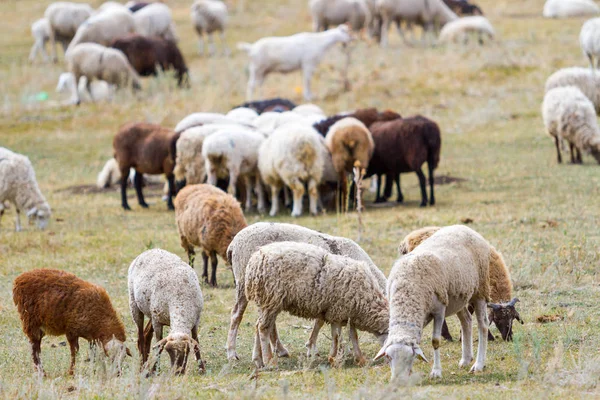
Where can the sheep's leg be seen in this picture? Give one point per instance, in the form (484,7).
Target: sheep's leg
(205,266)
(158,334)
(189,249)
(431,184)
(400,197)
(572,150)
(466,327)
(233,177)
(237,313)
(274,200)
(578,156)
(211,44)
(138,318)
(36,350)
(358,356)
(252,81)
(257,355)
(311,345)
(591,58)
(201,366)
(248,184)
(201,44)
(446,332)
(422,183)
(313,196)
(18,220)
(74,346)
(385,27)
(343,192)
(260,194)
(53,47)
(276,344)
(389,184)
(307,72)
(171,186)
(226,51)
(557,142)
(335,337)
(34,51)
(298,193)
(138,182)
(148,332)
(482,324)
(436,339)
(213,263)
(88,87)
(1,212)
(124,174)
(287,197)
(265,325)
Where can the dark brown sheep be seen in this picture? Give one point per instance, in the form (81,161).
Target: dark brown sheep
(53,302)
(138,6)
(403,145)
(463,7)
(275,104)
(146,54)
(148,149)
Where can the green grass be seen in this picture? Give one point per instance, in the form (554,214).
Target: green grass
(544,217)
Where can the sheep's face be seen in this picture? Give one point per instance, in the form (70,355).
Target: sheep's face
(40,215)
(503,316)
(402,357)
(116,351)
(178,347)
(344,33)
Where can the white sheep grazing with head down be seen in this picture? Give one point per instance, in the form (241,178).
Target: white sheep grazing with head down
(155,20)
(100,90)
(460,29)
(19,186)
(209,16)
(569,8)
(290,53)
(327,13)
(443,276)
(569,115)
(587,80)
(166,290)
(64,19)
(40,30)
(589,40)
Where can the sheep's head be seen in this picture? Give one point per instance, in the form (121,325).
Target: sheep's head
(41,215)
(65,81)
(503,316)
(344,34)
(402,357)
(116,351)
(178,347)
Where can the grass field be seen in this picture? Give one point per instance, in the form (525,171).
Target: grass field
(544,217)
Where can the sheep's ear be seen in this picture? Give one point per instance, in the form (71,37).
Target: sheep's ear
(128,352)
(513,302)
(382,352)
(31,212)
(420,355)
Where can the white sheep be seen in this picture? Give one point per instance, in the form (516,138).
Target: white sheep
(443,276)
(588,81)
(209,16)
(19,186)
(107,5)
(460,29)
(569,115)
(201,118)
(292,156)
(309,110)
(95,61)
(290,53)
(40,30)
(166,290)
(310,282)
(250,239)
(155,20)
(100,90)
(335,12)
(589,40)
(64,19)
(569,8)
(243,115)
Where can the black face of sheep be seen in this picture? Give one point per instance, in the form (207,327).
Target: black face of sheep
(503,315)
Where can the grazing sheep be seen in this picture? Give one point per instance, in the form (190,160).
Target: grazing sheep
(243,115)
(569,115)
(53,302)
(18,185)
(209,218)
(40,30)
(335,12)
(275,104)
(460,29)
(100,90)
(463,8)
(164,289)
(588,81)
(147,54)
(250,239)
(589,40)
(209,16)
(149,149)
(309,282)
(292,156)
(441,277)
(290,53)
(569,8)
(155,20)
(64,19)
(404,145)
(95,61)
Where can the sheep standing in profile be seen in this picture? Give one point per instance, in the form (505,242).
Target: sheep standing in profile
(208,17)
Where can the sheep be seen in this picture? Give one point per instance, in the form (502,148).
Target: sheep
(589,40)
(209,16)
(462,7)
(233,153)
(108,5)
(292,156)
(95,61)
(64,19)
(583,78)
(53,302)
(19,186)
(275,104)
(569,8)
(459,29)
(201,118)
(308,109)
(500,285)
(423,12)
(104,28)
(147,54)
(155,20)
(250,239)
(403,145)
(100,90)
(243,115)
(441,277)
(164,289)
(290,53)
(209,218)
(40,30)
(569,115)
(327,12)
(351,145)
(149,149)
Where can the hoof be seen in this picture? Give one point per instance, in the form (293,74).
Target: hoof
(144,205)
(283,353)
(360,361)
(476,368)
(436,374)
(464,363)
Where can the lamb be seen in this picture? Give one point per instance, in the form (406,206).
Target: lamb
(459,29)
(209,16)
(250,239)
(326,12)
(309,282)
(208,218)
(292,156)
(589,40)
(403,145)
(290,53)
(147,54)
(18,185)
(155,20)
(583,78)
(569,8)
(441,277)
(40,30)
(462,7)
(164,289)
(275,104)
(53,302)
(95,61)
(64,19)
(569,115)
(100,90)
(149,149)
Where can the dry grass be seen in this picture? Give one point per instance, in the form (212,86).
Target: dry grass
(542,216)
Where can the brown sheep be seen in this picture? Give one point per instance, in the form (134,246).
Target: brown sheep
(147,54)
(53,302)
(148,149)
(500,285)
(209,218)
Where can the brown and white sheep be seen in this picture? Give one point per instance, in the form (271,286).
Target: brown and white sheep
(148,149)
(53,302)
(209,218)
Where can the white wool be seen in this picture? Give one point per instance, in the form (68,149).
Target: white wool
(589,40)
(155,20)
(100,90)
(40,30)
(459,29)
(201,118)
(308,109)
(64,19)
(587,80)
(242,114)
(569,8)
(327,13)
(209,16)
(107,5)
(103,28)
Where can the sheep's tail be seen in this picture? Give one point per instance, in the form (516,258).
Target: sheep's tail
(247,47)
(108,174)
